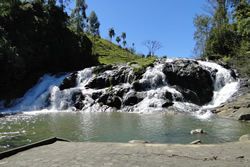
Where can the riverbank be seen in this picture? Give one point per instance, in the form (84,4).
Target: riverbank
(118,154)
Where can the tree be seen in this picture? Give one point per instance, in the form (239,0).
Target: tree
(203,25)
(220,15)
(63,3)
(118,40)
(79,16)
(124,43)
(123,36)
(152,46)
(111,33)
(94,24)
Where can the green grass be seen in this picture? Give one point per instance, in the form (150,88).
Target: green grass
(109,53)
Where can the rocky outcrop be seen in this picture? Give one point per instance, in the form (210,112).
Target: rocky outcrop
(238,107)
(191,76)
(105,79)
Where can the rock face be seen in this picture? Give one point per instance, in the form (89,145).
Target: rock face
(191,76)
(177,85)
(116,77)
(238,108)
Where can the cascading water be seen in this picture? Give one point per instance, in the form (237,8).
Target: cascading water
(117,88)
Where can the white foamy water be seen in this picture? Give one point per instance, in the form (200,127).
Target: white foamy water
(224,85)
(46,97)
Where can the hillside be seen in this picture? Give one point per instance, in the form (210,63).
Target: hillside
(109,53)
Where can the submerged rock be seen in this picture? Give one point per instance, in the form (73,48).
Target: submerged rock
(197,131)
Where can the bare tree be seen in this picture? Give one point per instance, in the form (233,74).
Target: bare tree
(152,46)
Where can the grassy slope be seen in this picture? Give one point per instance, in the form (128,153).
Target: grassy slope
(110,53)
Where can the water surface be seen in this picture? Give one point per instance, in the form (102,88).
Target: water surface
(116,127)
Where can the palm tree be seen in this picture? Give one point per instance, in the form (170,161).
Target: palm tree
(118,40)
(124,43)
(124,35)
(111,33)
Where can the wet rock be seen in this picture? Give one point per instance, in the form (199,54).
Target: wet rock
(69,82)
(102,68)
(99,82)
(132,98)
(140,86)
(188,95)
(168,96)
(110,100)
(167,104)
(190,75)
(96,95)
(196,142)
(244,138)
(78,99)
(117,76)
(197,131)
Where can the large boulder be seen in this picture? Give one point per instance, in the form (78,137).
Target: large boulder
(132,98)
(112,77)
(110,100)
(69,82)
(190,75)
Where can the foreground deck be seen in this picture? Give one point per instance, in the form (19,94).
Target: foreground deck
(117,154)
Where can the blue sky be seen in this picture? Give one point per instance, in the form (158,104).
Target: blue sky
(167,21)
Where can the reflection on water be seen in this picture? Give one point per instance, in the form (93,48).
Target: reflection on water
(116,127)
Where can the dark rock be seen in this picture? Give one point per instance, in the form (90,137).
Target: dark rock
(168,96)
(167,104)
(188,95)
(114,102)
(116,77)
(99,82)
(111,101)
(190,75)
(132,98)
(96,95)
(121,92)
(69,82)
(141,86)
(78,99)
(102,68)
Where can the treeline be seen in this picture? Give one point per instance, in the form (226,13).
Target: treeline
(38,37)
(224,33)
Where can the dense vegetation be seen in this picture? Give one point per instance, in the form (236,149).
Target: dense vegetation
(225,33)
(35,39)
(39,36)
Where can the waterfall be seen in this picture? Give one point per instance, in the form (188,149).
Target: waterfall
(160,88)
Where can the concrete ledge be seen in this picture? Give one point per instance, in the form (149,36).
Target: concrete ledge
(11,152)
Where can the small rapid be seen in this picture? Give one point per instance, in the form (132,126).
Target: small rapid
(169,85)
